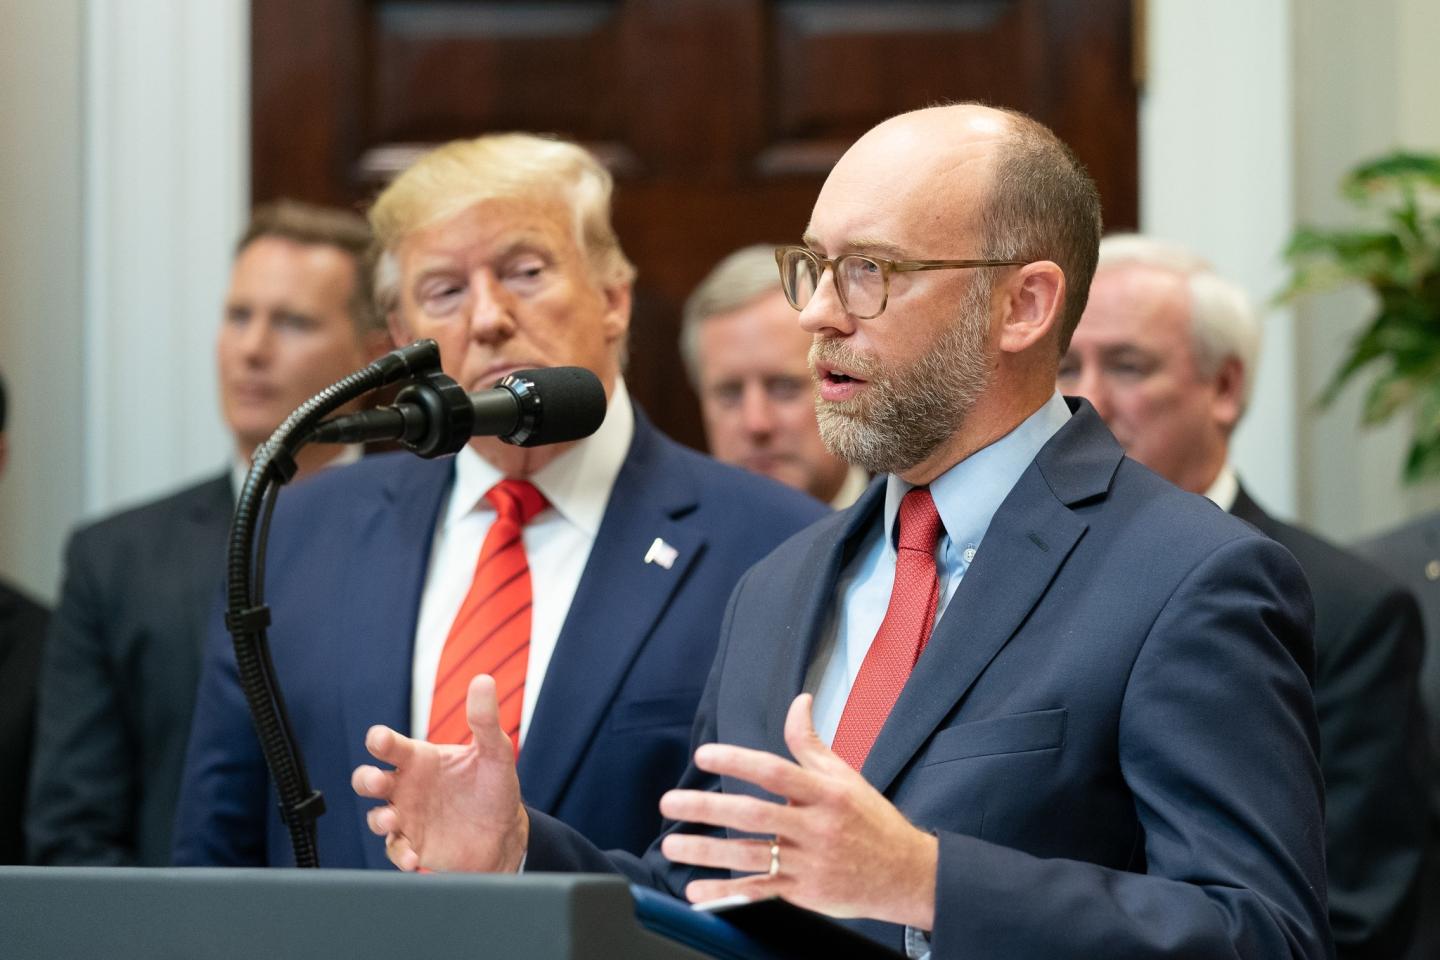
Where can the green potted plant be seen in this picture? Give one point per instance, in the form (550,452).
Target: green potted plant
(1398,257)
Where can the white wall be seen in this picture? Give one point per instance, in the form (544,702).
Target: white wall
(1366,78)
(41,305)
(1216,174)
(111,306)
(167,177)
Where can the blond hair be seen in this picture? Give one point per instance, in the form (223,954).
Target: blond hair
(454,177)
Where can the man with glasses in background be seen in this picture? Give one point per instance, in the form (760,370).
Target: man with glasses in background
(1025,698)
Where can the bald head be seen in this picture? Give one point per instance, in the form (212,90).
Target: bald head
(925,174)
(969,168)
(961,140)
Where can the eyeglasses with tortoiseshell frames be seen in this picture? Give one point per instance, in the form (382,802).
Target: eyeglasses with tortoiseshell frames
(862,281)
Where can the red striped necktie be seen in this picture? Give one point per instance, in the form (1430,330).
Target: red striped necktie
(902,635)
(491,632)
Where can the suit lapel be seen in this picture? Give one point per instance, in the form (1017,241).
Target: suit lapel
(811,612)
(208,515)
(605,627)
(1025,547)
(385,573)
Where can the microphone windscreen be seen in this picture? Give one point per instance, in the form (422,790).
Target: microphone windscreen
(572,404)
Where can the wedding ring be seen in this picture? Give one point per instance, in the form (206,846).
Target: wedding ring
(774,856)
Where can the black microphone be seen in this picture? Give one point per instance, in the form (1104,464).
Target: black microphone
(436,416)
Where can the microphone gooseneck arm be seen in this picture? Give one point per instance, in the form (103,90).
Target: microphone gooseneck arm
(247,617)
(432,416)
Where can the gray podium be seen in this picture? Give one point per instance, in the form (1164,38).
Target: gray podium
(58,913)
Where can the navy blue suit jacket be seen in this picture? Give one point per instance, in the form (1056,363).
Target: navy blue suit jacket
(610,731)
(1110,731)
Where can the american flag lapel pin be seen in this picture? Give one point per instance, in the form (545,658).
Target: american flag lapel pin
(661,553)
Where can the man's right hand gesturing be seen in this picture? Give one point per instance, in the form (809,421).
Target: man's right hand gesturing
(448,807)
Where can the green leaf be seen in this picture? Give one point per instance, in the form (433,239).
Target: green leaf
(1391,171)
(1366,349)
(1398,258)
(1423,461)
(1323,260)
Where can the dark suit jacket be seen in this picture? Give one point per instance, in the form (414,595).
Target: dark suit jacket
(118,680)
(1368,643)
(1411,554)
(612,721)
(1109,730)
(22,633)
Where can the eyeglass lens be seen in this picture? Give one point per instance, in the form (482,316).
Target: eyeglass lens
(859,279)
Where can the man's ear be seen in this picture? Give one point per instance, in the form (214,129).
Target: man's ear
(617,310)
(1034,299)
(1229,401)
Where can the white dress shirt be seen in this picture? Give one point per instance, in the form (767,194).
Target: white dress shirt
(557,541)
(1225,489)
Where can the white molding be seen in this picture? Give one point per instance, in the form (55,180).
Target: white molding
(166,171)
(1217,172)
(41,282)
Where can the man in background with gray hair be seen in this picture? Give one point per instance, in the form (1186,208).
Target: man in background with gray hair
(749,363)
(1166,351)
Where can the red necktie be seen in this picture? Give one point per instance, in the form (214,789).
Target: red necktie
(491,633)
(902,634)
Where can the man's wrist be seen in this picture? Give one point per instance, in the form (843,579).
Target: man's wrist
(914,905)
(520,836)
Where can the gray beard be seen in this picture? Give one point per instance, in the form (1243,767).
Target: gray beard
(907,413)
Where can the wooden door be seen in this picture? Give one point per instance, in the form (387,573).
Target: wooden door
(719,118)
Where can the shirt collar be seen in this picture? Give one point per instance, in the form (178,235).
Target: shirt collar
(577,483)
(1225,488)
(968,494)
(856,482)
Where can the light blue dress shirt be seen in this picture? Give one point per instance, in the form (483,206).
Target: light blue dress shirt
(967,496)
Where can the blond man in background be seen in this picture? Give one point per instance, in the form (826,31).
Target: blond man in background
(121,661)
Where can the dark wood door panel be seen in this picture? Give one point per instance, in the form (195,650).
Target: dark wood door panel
(719,118)
(441,67)
(839,65)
